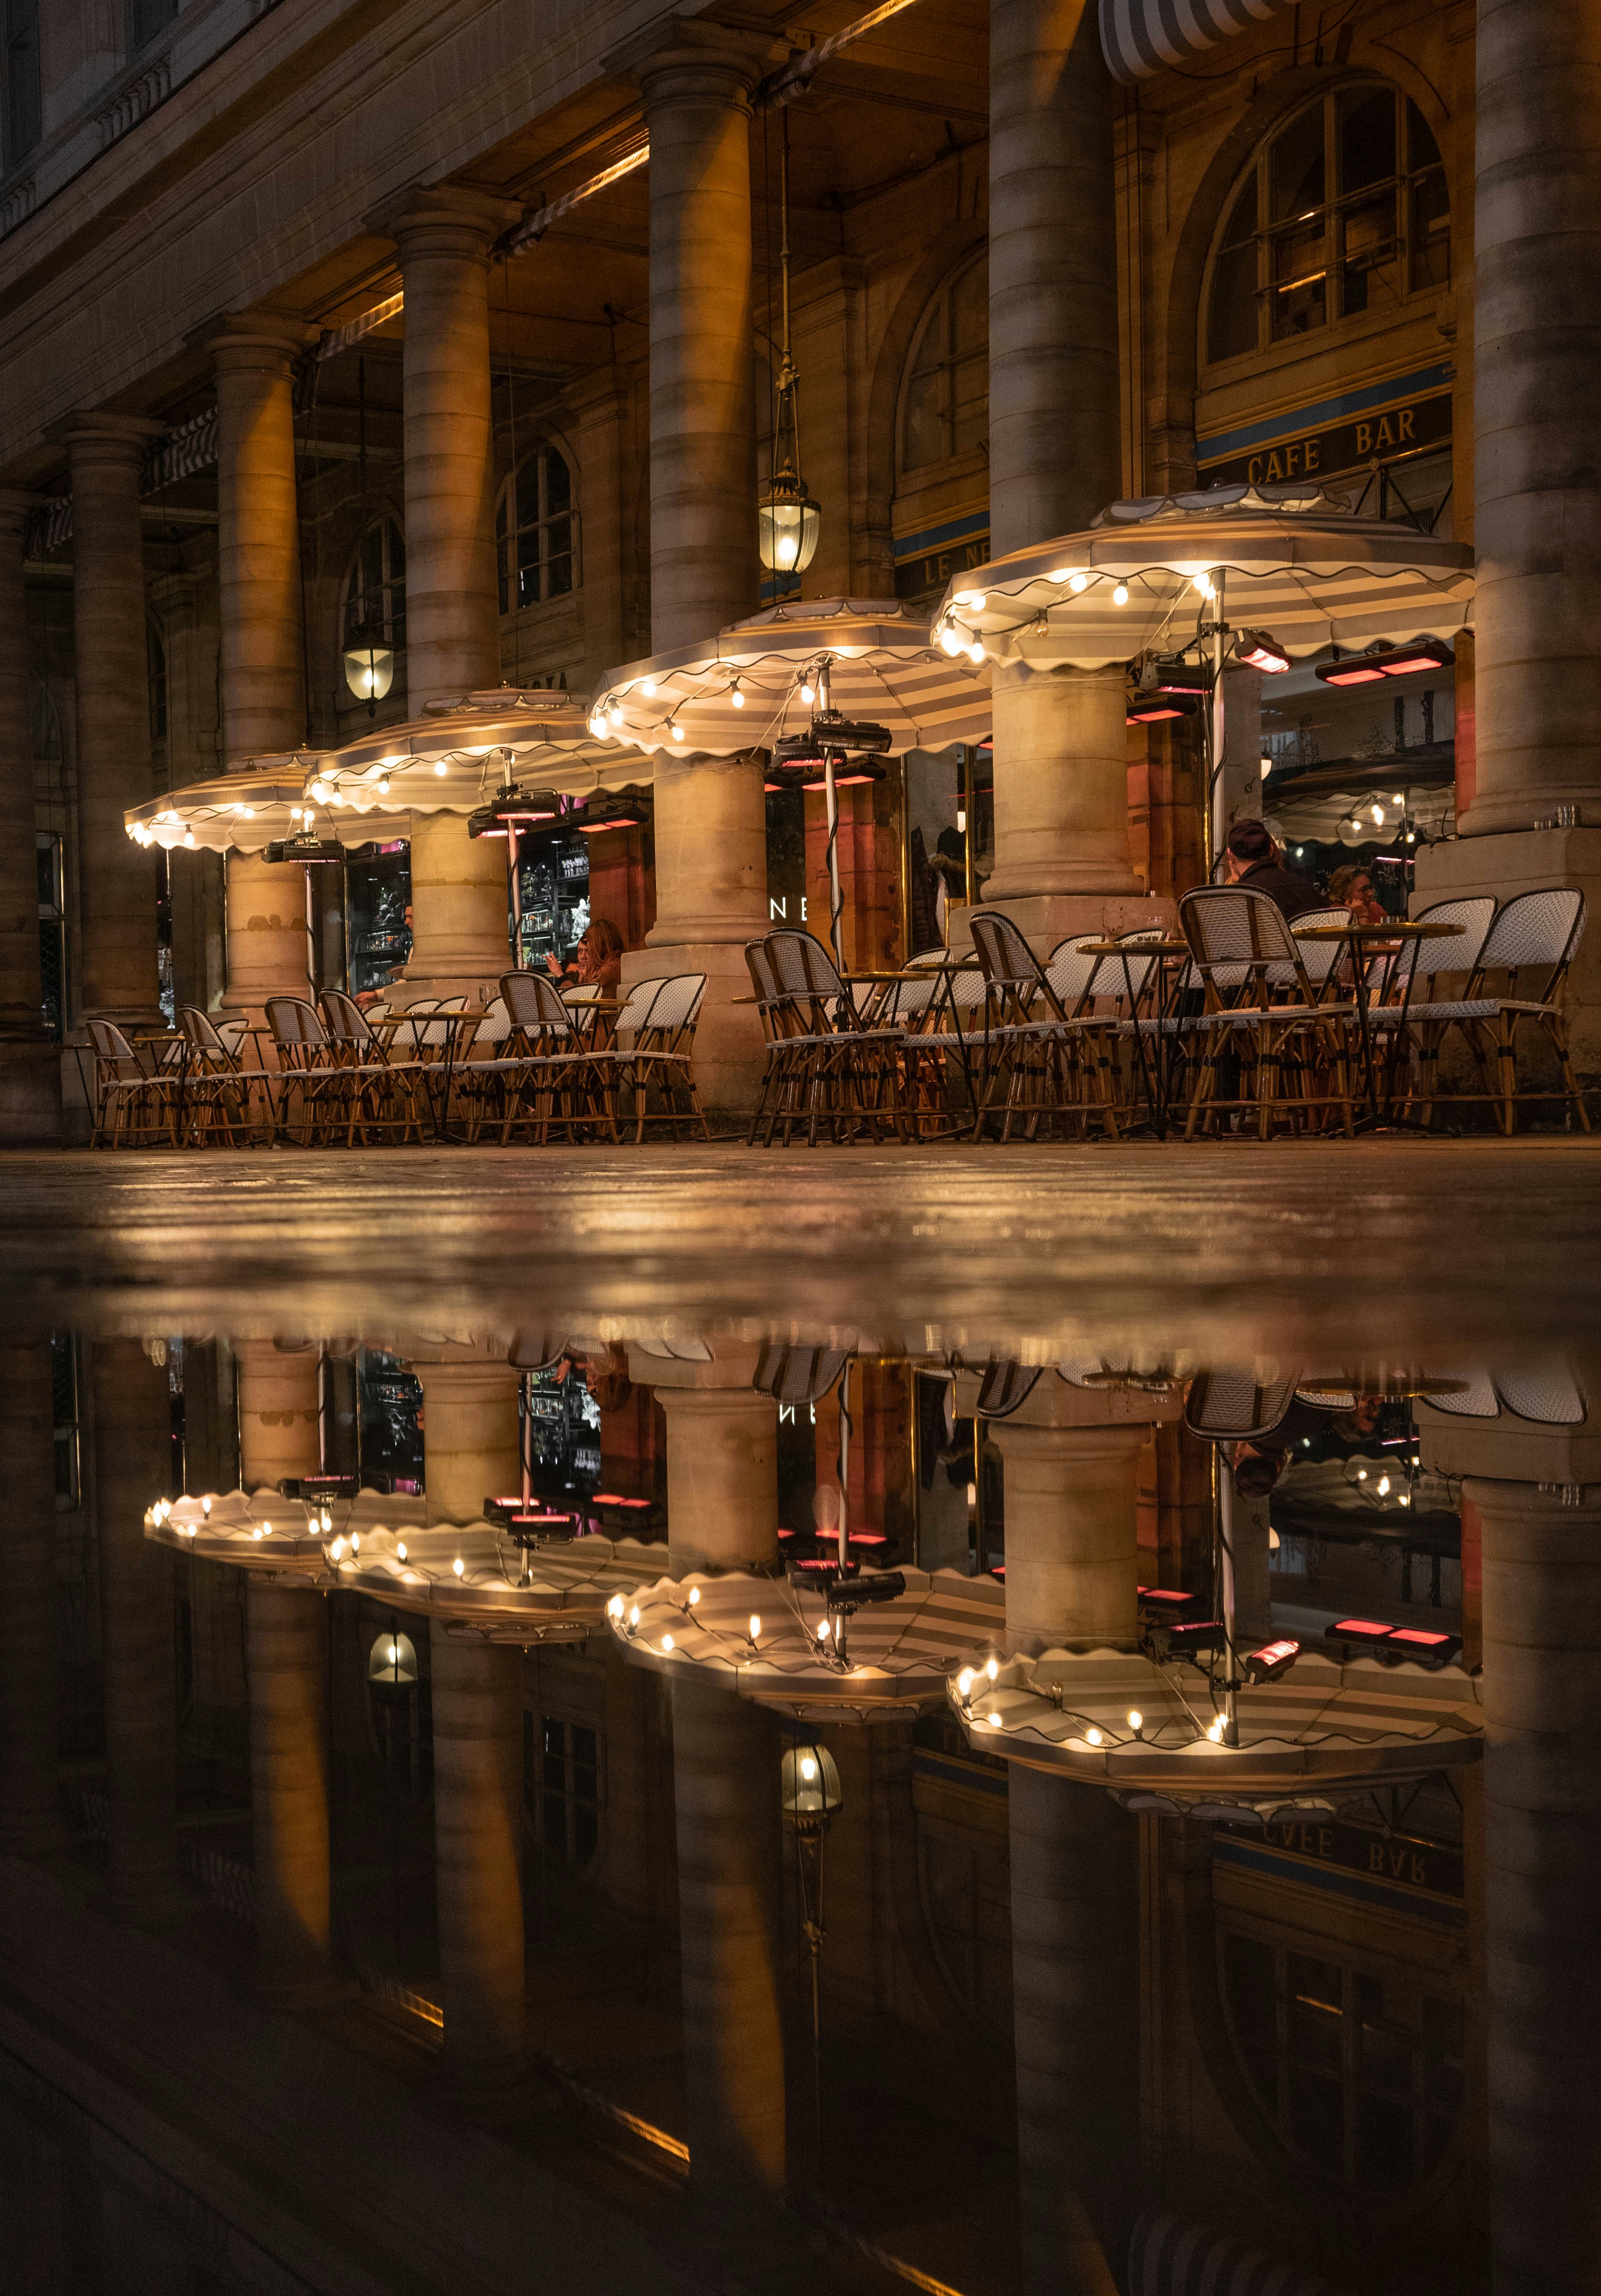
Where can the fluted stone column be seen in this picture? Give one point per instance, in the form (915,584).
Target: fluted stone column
(1072,1485)
(30,1800)
(1541,1560)
(710,849)
(132,1466)
(478,1713)
(286,1649)
(258,534)
(459,902)
(723,1508)
(117,968)
(1061,779)
(1537,474)
(30,1065)
(470,1436)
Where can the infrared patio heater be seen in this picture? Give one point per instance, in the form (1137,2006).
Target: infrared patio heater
(833,753)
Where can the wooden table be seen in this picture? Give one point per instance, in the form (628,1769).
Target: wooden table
(1362,939)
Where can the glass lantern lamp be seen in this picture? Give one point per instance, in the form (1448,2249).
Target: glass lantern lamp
(369,666)
(788,521)
(809,1790)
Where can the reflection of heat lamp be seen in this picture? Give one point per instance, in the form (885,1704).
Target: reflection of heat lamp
(531,1525)
(1268,1663)
(326,851)
(1423,1644)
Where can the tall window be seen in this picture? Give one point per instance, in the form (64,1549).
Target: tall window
(156,653)
(146,18)
(24,101)
(375,594)
(945,403)
(1344,211)
(535,530)
(563,1763)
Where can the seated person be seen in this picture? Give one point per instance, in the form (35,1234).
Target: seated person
(1352,888)
(1256,862)
(1259,1463)
(598,960)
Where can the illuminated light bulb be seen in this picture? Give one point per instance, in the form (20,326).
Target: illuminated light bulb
(994,1669)
(677,731)
(614,1609)
(442,768)
(1216,1731)
(400,1548)
(614,715)
(964,1684)
(977,601)
(1203,584)
(694,1596)
(808,692)
(319,790)
(1406,1498)
(1092,1735)
(975,650)
(666,1642)
(356,1542)
(649,689)
(205,1507)
(255,1534)
(634,1616)
(459,1567)
(1384,1485)
(597,727)
(394,1654)
(337,1550)
(266,1530)
(188,838)
(808,1769)
(993,1719)
(961,820)
(1078,582)
(1379,813)
(736,700)
(1136,1722)
(823,1630)
(756,1628)
(383,785)
(1120,596)
(1361,1474)
(249,812)
(949,639)
(327,1520)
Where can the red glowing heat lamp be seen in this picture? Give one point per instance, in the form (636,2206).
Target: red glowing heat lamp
(1268,1663)
(628,808)
(1153,709)
(1260,652)
(1381,661)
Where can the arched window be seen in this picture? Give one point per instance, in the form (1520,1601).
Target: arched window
(1344,210)
(375,593)
(945,398)
(536,530)
(156,654)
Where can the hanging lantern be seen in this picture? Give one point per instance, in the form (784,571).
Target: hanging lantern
(809,1788)
(788,521)
(369,666)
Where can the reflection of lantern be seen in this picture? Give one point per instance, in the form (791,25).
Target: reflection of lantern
(393,1660)
(369,667)
(809,1787)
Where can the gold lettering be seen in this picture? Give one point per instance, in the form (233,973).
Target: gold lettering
(1324,1843)
(1375,1857)
(1409,420)
(1314,455)
(1254,470)
(1292,455)
(1364,437)
(1386,437)
(1274,469)
(1398,1858)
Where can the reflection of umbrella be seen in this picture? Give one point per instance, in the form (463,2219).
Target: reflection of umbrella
(557,1592)
(1291,562)
(1319,1725)
(450,761)
(758,679)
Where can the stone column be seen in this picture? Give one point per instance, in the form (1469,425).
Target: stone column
(258,534)
(117,939)
(1537,475)
(711,849)
(725,1786)
(723,1507)
(29,1802)
(477,1712)
(1071,1532)
(458,903)
(277,1413)
(469,1435)
(1061,777)
(30,1065)
(133,1460)
(1541,1555)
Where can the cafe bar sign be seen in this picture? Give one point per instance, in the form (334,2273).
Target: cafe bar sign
(1352,442)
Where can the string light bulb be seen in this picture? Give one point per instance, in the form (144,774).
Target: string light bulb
(808,692)
(964,1685)
(648,688)
(1078,582)
(1093,1737)
(1136,1721)
(666,1642)
(400,1548)
(459,1567)
(614,1609)
(1120,596)
(736,700)
(994,1669)
(756,1628)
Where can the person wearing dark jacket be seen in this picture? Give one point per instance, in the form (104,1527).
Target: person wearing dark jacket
(1255,863)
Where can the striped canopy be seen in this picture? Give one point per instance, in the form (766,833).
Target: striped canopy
(559,1592)
(451,760)
(1319,1726)
(897,1655)
(878,660)
(260,1530)
(1140,37)
(1292,563)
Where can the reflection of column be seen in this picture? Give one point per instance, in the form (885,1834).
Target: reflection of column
(1542,1827)
(30,1065)
(477,1692)
(723,1503)
(111,675)
(1072,1530)
(470,1449)
(133,1455)
(286,1631)
(726,1778)
(29,1807)
(1061,777)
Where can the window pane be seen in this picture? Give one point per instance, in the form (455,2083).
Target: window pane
(1316,2114)
(1231,323)
(1315,2017)
(1367,132)
(557,482)
(970,312)
(553,1825)
(1371,274)
(1242,222)
(923,439)
(1297,168)
(558,567)
(1430,232)
(586,1834)
(971,388)
(1422,151)
(1300,282)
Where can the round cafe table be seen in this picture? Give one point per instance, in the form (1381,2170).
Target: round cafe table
(1153,1077)
(1363,940)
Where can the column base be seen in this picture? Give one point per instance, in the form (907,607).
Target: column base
(1522,861)
(1044,919)
(478,987)
(730,1050)
(30,1095)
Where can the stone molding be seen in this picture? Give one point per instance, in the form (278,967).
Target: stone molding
(135,101)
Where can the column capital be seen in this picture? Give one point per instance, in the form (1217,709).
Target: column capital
(445,219)
(105,438)
(17,507)
(690,58)
(252,341)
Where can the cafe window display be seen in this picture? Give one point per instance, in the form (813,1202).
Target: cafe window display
(536,530)
(553,889)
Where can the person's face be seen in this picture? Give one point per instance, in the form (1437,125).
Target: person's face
(1368,1411)
(1361,890)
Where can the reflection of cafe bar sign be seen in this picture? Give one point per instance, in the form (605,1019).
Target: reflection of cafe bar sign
(1376,437)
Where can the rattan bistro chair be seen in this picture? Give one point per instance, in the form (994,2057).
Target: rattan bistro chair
(658,1021)
(312,1083)
(545,1079)
(1040,1044)
(133,1107)
(790,1049)
(847,1074)
(1287,1059)
(1536,932)
(216,1085)
(384,1094)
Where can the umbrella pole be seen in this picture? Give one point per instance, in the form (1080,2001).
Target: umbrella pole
(836,897)
(1226,1598)
(1218,795)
